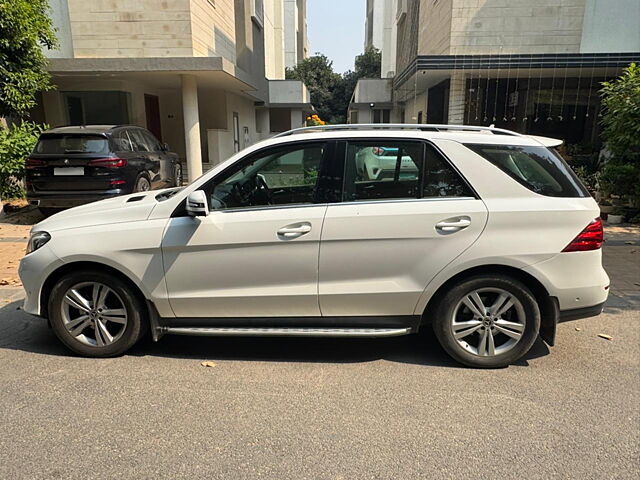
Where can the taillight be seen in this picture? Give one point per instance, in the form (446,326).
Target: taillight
(108,162)
(118,182)
(378,151)
(590,238)
(35,163)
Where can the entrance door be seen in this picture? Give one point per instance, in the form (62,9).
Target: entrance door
(152,112)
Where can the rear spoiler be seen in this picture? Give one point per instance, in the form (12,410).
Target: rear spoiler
(546,141)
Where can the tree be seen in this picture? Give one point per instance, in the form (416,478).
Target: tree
(24,28)
(316,72)
(621,123)
(369,64)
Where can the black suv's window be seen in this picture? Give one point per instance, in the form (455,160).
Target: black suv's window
(537,168)
(68,143)
(140,142)
(151,141)
(277,176)
(121,141)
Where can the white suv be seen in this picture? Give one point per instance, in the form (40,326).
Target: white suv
(487,236)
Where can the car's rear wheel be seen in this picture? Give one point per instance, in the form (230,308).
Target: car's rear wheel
(96,314)
(142,184)
(487,321)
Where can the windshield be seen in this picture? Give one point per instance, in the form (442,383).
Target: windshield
(538,168)
(72,143)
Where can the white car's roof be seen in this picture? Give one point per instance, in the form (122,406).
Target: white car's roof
(476,137)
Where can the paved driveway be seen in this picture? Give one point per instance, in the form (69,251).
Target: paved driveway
(329,408)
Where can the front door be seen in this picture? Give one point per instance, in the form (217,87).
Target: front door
(256,254)
(405,213)
(152,112)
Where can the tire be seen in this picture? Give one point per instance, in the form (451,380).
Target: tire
(121,301)
(142,184)
(520,322)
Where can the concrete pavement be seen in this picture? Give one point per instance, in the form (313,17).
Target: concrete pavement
(326,408)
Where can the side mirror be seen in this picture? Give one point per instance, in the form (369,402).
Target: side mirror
(197,204)
(164,147)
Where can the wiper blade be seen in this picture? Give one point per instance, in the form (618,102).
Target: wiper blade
(74,151)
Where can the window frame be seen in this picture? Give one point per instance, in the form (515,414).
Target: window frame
(240,164)
(340,159)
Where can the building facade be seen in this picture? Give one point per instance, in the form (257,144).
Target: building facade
(532,67)
(380,32)
(205,76)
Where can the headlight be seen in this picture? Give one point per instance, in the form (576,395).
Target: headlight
(36,240)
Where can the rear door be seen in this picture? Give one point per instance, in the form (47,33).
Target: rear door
(387,237)
(149,160)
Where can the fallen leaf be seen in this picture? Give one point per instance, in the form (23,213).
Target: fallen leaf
(208,364)
(630,243)
(4,282)
(578,329)
(606,337)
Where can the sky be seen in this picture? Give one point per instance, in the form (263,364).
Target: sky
(336,29)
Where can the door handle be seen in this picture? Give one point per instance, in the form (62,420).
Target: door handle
(453,224)
(294,231)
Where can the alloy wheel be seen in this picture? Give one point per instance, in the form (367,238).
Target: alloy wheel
(93,314)
(488,321)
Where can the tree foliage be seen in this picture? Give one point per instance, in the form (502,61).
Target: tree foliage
(621,124)
(25,27)
(330,91)
(16,143)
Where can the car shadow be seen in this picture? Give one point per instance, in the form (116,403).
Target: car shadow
(21,331)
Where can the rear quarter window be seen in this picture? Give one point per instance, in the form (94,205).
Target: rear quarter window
(539,169)
(71,143)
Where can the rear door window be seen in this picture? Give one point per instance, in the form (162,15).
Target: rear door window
(62,144)
(537,168)
(140,142)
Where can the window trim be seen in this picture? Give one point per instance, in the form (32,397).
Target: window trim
(341,156)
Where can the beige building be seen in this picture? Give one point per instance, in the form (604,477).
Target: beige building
(529,66)
(205,76)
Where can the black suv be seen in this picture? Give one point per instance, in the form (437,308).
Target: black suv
(72,166)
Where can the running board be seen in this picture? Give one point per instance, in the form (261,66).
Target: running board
(286,332)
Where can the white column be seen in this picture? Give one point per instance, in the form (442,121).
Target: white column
(457,89)
(296,118)
(263,126)
(191,126)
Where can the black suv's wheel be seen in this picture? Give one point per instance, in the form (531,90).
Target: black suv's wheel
(96,314)
(487,321)
(142,184)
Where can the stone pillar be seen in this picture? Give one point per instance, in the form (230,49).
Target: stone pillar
(457,91)
(297,120)
(191,126)
(263,126)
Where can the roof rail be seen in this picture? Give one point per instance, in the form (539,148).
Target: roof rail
(425,127)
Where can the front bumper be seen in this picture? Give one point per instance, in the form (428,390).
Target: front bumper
(70,199)
(34,269)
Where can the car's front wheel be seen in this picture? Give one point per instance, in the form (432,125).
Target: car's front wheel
(96,314)
(487,321)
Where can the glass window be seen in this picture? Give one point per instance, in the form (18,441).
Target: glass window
(72,143)
(537,168)
(97,107)
(381,115)
(121,142)
(278,176)
(379,170)
(151,141)
(139,140)
(440,178)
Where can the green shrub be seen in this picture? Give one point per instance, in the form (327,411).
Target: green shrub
(16,143)
(621,122)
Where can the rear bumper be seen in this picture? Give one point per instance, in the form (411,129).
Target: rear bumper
(578,313)
(70,199)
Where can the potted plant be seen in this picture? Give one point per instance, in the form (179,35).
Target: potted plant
(615,217)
